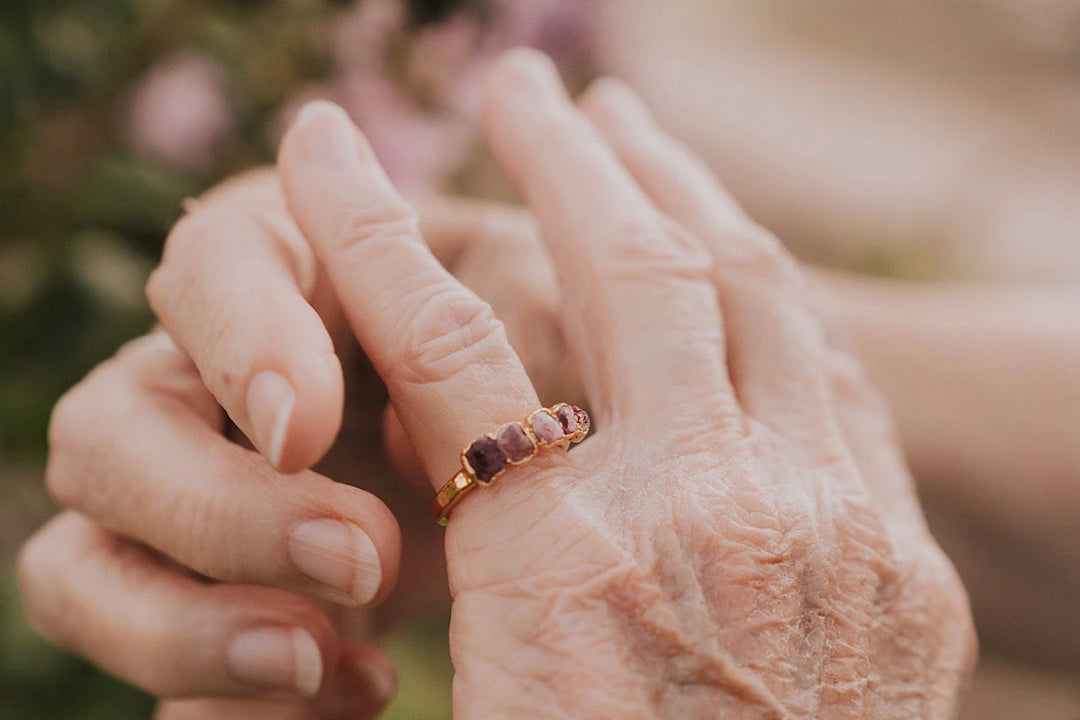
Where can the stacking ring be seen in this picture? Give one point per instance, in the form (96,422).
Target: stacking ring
(514,443)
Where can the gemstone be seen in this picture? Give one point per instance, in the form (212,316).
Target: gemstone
(514,443)
(582,419)
(567,418)
(545,428)
(485,458)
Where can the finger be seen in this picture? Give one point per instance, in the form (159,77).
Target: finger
(362,685)
(449,370)
(234,290)
(638,309)
(496,250)
(212,709)
(776,346)
(133,449)
(120,607)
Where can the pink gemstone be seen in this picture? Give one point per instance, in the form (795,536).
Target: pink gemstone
(546,428)
(514,443)
(582,419)
(567,418)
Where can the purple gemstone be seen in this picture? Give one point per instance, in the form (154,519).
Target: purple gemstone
(567,418)
(514,443)
(582,419)
(485,458)
(545,428)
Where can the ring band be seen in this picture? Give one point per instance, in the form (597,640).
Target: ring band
(516,443)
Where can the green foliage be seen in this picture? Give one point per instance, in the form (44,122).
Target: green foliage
(68,176)
(82,220)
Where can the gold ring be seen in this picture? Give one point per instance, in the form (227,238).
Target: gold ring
(516,443)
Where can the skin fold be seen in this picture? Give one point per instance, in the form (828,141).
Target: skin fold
(739,537)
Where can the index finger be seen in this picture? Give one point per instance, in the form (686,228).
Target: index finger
(233,291)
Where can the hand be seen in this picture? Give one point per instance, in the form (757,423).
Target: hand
(740,538)
(160,502)
(152,385)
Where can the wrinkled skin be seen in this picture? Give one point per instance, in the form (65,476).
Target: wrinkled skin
(702,591)
(739,538)
(702,562)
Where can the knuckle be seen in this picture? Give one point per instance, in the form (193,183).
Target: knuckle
(34,584)
(929,600)
(862,535)
(852,387)
(85,450)
(846,373)
(369,234)
(86,419)
(40,571)
(654,248)
(754,253)
(182,242)
(69,429)
(157,285)
(448,331)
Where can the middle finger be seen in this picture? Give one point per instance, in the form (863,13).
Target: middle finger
(639,311)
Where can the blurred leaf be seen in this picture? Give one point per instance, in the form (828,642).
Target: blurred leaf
(39,681)
(122,193)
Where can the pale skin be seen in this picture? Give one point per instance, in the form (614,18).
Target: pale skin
(739,537)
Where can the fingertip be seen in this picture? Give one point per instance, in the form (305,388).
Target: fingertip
(525,65)
(314,110)
(315,417)
(349,542)
(522,73)
(322,136)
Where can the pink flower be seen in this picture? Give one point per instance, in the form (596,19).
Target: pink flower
(416,95)
(180,113)
(560,28)
(418,150)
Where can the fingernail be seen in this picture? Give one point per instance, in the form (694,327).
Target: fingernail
(329,137)
(270,403)
(337,554)
(276,657)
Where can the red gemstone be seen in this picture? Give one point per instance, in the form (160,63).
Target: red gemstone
(485,458)
(514,443)
(545,428)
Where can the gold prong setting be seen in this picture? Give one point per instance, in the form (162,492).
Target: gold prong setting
(511,444)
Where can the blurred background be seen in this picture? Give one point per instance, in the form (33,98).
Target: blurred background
(930,139)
